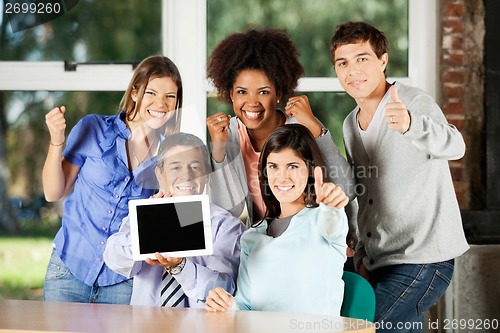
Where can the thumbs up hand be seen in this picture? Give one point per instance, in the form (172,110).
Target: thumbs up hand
(396,114)
(328,193)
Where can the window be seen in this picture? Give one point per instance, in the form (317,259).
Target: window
(311,26)
(98,33)
(481,226)
(128,31)
(105,39)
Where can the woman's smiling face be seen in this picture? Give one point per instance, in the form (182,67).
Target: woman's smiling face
(158,103)
(287,175)
(254,98)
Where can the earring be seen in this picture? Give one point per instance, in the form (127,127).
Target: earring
(278,101)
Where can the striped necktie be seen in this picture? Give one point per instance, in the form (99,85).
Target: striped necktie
(171,294)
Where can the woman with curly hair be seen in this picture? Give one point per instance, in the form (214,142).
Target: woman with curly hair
(256,72)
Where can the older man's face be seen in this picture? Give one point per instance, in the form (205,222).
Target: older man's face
(183,172)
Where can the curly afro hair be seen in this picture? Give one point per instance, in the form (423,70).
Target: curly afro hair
(270,50)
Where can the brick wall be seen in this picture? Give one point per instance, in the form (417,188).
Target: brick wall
(461,92)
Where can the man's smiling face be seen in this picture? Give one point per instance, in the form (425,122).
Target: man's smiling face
(183,171)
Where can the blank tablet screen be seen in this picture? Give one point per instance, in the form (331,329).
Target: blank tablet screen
(170,227)
(174,226)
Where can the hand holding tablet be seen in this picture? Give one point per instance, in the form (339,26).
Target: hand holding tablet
(173,226)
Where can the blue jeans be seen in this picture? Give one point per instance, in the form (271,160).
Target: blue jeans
(404,292)
(62,286)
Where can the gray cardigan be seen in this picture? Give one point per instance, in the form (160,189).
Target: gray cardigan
(408,211)
(228,186)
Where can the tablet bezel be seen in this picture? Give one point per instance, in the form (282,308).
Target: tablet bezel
(207,226)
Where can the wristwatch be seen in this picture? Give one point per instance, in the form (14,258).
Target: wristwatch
(324,130)
(177,269)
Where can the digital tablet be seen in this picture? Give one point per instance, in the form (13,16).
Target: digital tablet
(174,226)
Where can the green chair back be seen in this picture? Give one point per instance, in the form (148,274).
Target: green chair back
(359,297)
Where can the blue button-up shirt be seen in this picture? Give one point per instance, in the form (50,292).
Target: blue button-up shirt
(99,201)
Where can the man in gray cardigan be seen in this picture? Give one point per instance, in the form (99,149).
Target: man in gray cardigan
(399,143)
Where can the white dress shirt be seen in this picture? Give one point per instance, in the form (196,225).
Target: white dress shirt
(199,276)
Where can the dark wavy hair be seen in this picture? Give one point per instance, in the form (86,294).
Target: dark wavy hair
(270,50)
(298,138)
(354,32)
(151,68)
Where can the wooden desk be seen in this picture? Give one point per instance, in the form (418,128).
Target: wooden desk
(35,316)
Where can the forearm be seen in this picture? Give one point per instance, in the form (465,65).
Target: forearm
(226,188)
(117,260)
(197,280)
(118,252)
(53,178)
(242,295)
(332,224)
(339,171)
(436,138)
(430,131)
(218,151)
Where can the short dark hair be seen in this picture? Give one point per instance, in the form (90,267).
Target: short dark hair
(298,138)
(354,32)
(184,140)
(269,50)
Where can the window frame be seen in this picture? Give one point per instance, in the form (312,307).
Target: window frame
(481,226)
(184,32)
(418,57)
